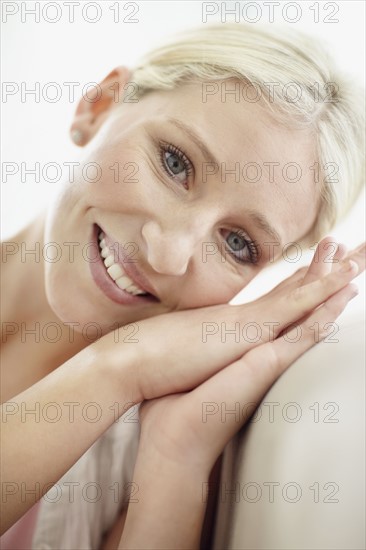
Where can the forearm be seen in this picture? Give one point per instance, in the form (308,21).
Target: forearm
(171,506)
(46,428)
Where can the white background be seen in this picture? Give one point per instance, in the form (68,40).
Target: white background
(84,52)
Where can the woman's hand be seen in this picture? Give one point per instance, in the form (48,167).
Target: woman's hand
(183,434)
(327,258)
(197,414)
(177,351)
(194,427)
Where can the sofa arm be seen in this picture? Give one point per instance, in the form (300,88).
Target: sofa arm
(294,477)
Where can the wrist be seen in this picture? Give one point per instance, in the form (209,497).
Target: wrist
(168,464)
(117,365)
(171,505)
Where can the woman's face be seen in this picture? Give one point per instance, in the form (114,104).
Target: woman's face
(194,195)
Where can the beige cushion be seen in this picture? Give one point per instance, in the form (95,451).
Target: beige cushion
(298,477)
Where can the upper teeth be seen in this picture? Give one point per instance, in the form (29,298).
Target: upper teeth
(115,271)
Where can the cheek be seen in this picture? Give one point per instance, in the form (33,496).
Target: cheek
(124,182)
(214,284)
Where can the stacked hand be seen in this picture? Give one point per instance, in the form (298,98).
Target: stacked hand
(188,378)
(188,427)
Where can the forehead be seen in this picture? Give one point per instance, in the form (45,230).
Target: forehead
(265,165)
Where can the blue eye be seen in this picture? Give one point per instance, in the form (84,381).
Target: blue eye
(241,247)
(175,163)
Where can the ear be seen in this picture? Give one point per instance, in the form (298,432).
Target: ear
(96,105)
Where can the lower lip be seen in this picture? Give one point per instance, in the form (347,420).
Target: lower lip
(107,285)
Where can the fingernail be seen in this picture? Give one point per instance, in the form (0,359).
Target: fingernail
(349,265)
(354,293)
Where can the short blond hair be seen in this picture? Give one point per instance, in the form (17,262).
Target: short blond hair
(331,105)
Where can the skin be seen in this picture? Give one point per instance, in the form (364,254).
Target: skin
(169,221)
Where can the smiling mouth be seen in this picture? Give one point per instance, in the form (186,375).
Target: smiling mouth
(117,273)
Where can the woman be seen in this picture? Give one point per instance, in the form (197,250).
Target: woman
(208,160)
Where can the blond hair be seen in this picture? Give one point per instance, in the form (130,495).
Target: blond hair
(330,104)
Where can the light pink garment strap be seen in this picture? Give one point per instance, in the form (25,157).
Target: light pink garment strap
(19,536)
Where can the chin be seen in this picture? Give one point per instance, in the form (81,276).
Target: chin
(85,316)
(79,317)
(77,312)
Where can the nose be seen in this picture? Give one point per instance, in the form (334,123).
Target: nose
(168,251)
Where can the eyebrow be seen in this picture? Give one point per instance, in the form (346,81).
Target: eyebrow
(257,217)
(196,139)
(261,221)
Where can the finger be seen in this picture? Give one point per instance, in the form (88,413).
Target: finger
(295,303)
(307,274)
(303,299)
(291,281)
(225,401)
(359,249)
(358,255)
(339,255)
(321,263)
(312,330)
